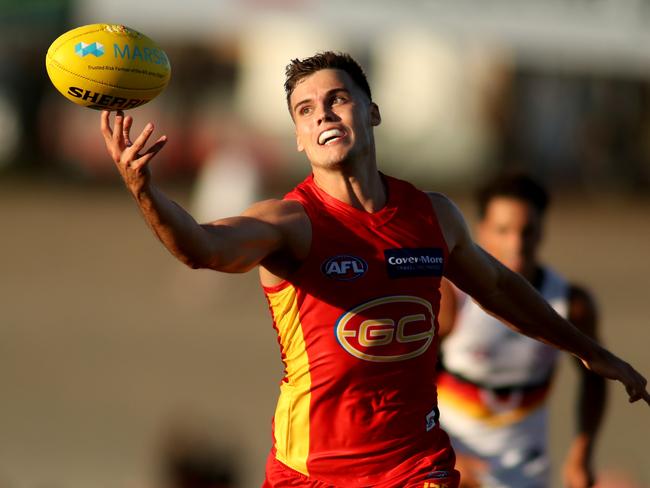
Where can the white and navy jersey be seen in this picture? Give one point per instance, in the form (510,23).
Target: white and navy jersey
(483,350)
(493,387)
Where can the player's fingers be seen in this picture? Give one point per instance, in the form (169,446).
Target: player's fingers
(126,131)
(643,395)
(141,140)
(106,125)
(151,152)
(636,389)
(117,130)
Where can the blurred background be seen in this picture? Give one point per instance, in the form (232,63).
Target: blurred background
(121,368)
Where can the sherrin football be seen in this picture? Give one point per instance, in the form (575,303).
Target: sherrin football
(107,66)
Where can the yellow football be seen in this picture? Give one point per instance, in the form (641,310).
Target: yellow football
(107,66)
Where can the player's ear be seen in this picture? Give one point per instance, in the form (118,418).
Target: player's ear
(375,116)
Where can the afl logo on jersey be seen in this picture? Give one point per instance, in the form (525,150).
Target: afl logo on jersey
(392,328)
(344,267)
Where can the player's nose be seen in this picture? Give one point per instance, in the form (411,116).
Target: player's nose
(325,114)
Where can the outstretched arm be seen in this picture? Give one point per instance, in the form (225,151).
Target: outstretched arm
(512,299)
(578,470)
(234,244)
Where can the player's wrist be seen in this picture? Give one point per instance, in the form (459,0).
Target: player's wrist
(580,451)
(142,189)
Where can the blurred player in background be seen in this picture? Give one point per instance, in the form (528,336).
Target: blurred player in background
(494,383)
(350,262)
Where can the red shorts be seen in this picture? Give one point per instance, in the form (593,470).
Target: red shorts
(279,475)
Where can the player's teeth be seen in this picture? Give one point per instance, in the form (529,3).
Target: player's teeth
(328,134)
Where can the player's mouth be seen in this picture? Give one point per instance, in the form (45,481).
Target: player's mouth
(330,136)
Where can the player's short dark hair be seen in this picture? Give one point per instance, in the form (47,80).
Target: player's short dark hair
(298,69)
(515,185)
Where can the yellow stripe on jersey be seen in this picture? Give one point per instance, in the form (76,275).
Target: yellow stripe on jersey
(291,421)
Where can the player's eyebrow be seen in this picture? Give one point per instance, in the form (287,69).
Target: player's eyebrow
(302,102)
(329,93)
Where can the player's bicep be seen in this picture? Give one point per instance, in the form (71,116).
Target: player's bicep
(473,270)
(238,244)
(241,243)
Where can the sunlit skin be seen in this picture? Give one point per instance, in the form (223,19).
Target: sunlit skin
(327,100)
(511,230)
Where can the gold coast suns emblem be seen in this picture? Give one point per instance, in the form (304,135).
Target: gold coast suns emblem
(392,328)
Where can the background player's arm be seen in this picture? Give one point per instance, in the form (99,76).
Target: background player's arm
(234,244)
(512,299)
(578,470)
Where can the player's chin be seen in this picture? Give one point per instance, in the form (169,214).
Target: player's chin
(331,161)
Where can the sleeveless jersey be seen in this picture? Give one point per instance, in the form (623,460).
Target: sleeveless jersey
(492,390)
(357,328)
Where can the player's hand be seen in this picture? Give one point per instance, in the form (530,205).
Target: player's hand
(131,159)
(471,470)
(577,474)
(610,366)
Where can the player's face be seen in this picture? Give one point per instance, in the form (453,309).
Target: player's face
(334,119)
(511,231)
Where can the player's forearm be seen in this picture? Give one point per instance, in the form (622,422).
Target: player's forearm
(591,407)
(516,302)
(174,227)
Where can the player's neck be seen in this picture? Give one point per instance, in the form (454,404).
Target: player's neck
(362,188)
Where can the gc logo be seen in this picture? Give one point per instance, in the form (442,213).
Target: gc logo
(392,328)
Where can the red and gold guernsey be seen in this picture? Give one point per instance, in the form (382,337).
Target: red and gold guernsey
(357,327)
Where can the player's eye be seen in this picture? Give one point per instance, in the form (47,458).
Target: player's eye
(305,110)
(338,99)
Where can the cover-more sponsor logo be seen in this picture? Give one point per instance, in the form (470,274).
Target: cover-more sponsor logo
(392,328)
(344,267)
(410,262)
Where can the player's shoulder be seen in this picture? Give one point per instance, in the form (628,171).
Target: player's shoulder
(288,217)
(446,210)
(442,203)
(276,210)
(450,218)
(580,295)
(436,196)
